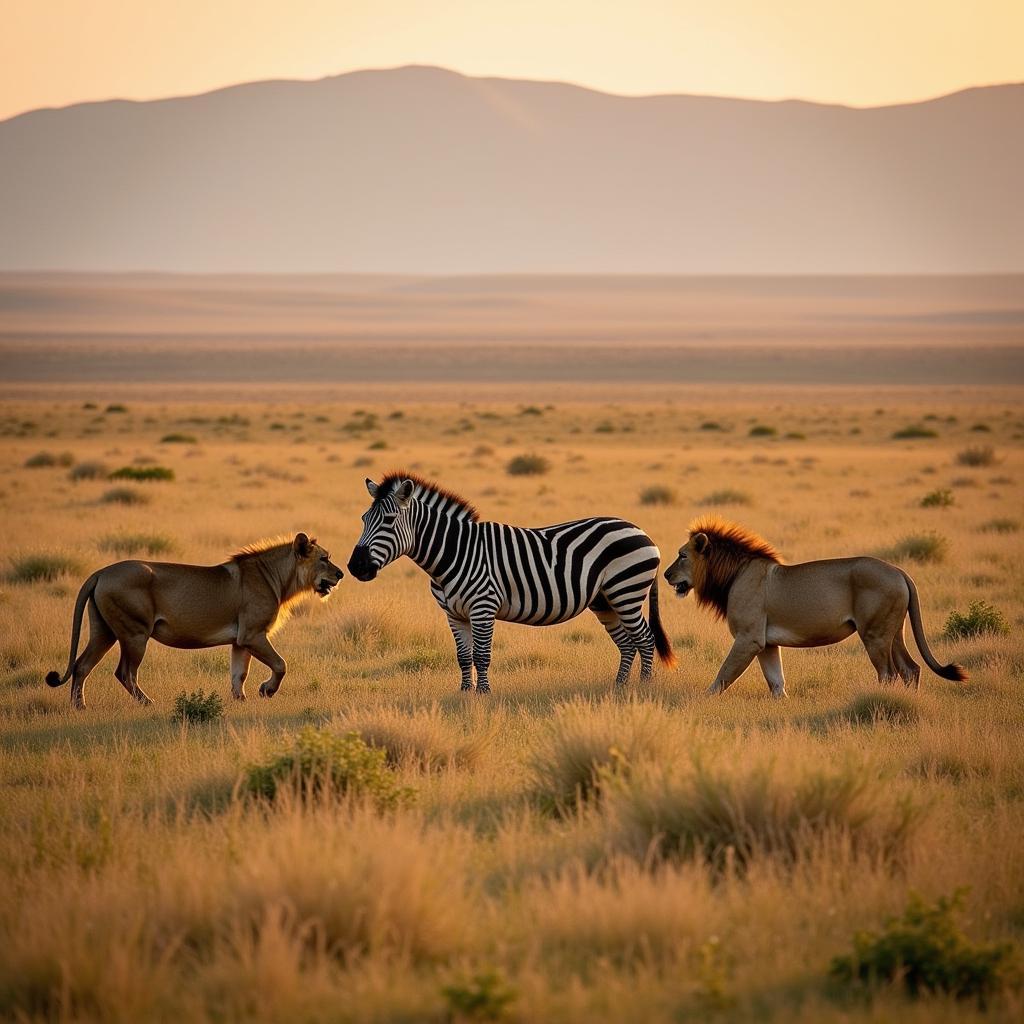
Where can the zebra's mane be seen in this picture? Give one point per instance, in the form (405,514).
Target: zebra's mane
(429,493)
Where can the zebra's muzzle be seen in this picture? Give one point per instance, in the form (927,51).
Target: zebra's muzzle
(362,566)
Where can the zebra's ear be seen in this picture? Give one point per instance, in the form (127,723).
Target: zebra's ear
(403,493)
(371,487)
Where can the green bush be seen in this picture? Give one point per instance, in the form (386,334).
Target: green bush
(926,952)
(761,430)
(918,547)
(531,410)
(142,473)
(127,544)
(116,407)
(197,707)
(42,568)
(913,432)
(942,498)
(981,455)
(485,996)
(657,494)
(124,496)
(527,465)
(726,496)
(90,470)
(178,439)
(979,619)
(318,761)
(45,460)
(711,425)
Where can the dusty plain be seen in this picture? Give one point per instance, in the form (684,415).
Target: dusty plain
(140,883)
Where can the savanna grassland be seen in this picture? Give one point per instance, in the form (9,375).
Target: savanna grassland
(555,852)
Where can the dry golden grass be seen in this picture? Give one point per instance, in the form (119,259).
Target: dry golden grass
(738,843)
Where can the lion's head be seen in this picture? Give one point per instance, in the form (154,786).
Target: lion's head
(313,566)
(710,560)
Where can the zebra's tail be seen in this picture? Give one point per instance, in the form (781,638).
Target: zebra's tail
(661,640)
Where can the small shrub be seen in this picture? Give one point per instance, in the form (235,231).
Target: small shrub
(941,498)
(42,568)
(604,427)
(980,455)
(1000,526)
(125,545)
(796,435)
(142,473)
(486,996)
(726,496)
(657,494)
(124,496)
(46,460)
(425,739)
(527,465)
(90,470)
(882,706)
(913,432)
(531,410)
(377,446)
(926,952)
(980,618)
(981,428)
(116,407)
(178,439)
(919,547)
(761,430)
(197,707)
(711,425)
(319,762)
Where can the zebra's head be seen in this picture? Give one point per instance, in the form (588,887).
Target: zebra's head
(387,532)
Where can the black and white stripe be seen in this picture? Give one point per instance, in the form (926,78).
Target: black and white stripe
(484,571)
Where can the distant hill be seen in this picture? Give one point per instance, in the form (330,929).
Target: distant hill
(423,170)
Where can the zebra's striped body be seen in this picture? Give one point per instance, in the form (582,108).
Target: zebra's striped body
(483,571)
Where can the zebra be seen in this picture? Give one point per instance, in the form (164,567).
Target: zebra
(483,571)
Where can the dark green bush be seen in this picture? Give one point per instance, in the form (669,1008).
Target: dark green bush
(485,996)
(197,707)
(942,498)
(318,761)
(142,473)
(926,952)
(761,430)
(982,455)
(124,496)
(979,619)
(42,568)
(527,465)
(913,432)
(178,439)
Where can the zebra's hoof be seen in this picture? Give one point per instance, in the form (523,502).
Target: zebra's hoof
(466,686)
(483,688)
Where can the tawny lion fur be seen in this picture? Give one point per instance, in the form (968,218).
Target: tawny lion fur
(769,605)
(240,602)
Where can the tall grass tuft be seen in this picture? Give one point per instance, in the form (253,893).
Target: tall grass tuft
(89,470)
(527,465)
(918,547)
(878,705)
(726,496)
(142,473)
(913,432)
(657,494)
(321,763)
(125,545)
(584,745)
(978,455)
(42,568)
(730,813)
(124,496)
(46,460)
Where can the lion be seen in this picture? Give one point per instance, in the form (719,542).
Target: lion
(768,605)
(241,602)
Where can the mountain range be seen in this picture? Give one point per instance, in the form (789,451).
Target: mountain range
(423,170)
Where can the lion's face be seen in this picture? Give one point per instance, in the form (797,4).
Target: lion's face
(681,573)
(315,569)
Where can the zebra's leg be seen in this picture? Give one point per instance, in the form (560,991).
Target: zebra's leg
(463,634)
(629,607)
(620,637)
(482,625)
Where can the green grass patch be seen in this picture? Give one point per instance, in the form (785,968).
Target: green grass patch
(918,547)
(762,430)
(941,498)
(727,496)
(124,496)
(197,707)
(179,439)
(657,494)
(42,568)
(980,619)
(318,762)
(925,952)
(142,473)
(124,545)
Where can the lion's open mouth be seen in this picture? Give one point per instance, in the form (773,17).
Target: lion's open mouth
(324,587)
(682,589)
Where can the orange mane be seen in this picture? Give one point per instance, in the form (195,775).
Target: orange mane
(732,547)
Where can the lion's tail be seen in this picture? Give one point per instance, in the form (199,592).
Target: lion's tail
(54,678)
(955,672)
(661,640)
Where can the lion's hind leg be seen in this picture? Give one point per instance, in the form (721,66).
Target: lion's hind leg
(101,639)
(903,662)
(133,650)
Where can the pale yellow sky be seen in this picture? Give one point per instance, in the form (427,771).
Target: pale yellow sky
(857,52)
